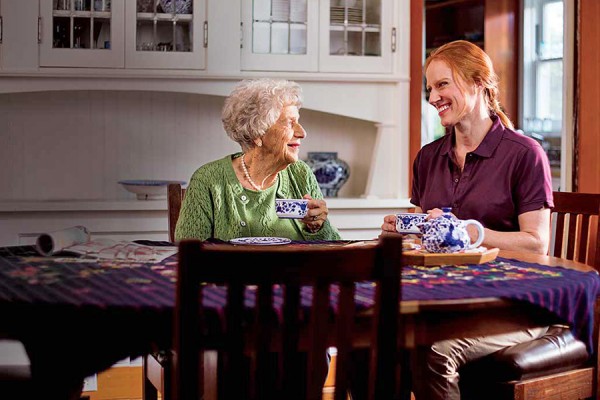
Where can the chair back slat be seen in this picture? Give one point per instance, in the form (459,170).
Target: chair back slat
(263,326)
(579,211)
(559,234)
(317,345)
(233,352)
(274,338)
(571,236)
(345,325)
(584,233)
(290,362)
(385,332)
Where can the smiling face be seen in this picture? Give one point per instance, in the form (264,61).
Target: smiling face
(282,139)
(452,97)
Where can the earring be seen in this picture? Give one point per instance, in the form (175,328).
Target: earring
(259,143)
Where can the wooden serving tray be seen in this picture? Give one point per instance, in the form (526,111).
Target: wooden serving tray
(418,257)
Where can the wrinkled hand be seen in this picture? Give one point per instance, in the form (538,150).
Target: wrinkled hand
(316,215)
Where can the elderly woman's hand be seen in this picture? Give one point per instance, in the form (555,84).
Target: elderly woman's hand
(316,215)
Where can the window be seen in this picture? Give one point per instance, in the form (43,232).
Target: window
(542,98)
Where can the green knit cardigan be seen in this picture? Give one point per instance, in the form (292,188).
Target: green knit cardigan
(215,203)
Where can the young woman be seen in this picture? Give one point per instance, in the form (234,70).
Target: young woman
(486,171)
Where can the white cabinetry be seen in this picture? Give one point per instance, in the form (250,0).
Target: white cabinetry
(122,34)
(92,105)
(354,36)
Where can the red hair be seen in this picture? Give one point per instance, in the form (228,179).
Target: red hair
(473,65)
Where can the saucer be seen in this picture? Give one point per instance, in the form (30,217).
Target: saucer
(265,241)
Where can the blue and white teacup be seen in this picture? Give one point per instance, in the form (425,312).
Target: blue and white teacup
(407,222)
(291,208)
(448,234)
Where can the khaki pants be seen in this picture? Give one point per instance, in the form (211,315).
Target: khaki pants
(435,374)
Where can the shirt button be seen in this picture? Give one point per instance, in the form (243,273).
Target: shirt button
(243,223)
(456,180)
(455,205)
(244,197)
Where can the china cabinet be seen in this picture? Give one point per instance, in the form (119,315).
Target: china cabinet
(326,36)
(119,33)
(120,88)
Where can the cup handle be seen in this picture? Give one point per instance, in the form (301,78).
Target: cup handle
(479,232)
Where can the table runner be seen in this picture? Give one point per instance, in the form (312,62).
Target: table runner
(27,278)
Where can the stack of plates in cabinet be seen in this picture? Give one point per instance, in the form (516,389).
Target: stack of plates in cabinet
(338,14)
(280,10)
(298,11)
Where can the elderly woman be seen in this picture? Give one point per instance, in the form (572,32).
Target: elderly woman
(235,196)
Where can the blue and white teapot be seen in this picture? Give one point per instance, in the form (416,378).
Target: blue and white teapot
(448,234)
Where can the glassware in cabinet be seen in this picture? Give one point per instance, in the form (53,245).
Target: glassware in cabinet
(166,34)
(358,36)
(80,33)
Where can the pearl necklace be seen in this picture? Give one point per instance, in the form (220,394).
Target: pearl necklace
(247,174)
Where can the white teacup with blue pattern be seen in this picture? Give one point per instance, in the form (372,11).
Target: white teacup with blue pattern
(407,222)
(291,208)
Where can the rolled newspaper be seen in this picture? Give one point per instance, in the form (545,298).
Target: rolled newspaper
(48,244)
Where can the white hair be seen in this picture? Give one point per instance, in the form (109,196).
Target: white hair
(255,105)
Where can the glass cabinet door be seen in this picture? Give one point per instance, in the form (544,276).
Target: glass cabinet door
(82,33)
(279,35)
(356,36)
(165,34)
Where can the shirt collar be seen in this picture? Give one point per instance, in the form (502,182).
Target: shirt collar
(487,146)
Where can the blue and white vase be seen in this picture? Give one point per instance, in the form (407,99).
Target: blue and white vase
(331,172)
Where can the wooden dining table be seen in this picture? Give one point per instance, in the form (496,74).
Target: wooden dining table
(481,315)
(78,317)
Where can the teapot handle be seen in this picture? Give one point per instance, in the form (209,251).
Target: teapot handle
(479,227)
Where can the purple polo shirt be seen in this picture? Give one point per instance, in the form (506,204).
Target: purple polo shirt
(507,175)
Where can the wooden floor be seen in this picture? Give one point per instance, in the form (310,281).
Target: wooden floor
(125,383)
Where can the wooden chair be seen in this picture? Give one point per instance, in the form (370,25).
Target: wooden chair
(156,371)
(574,211)
(261,335)
(556,366)
(175,194)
